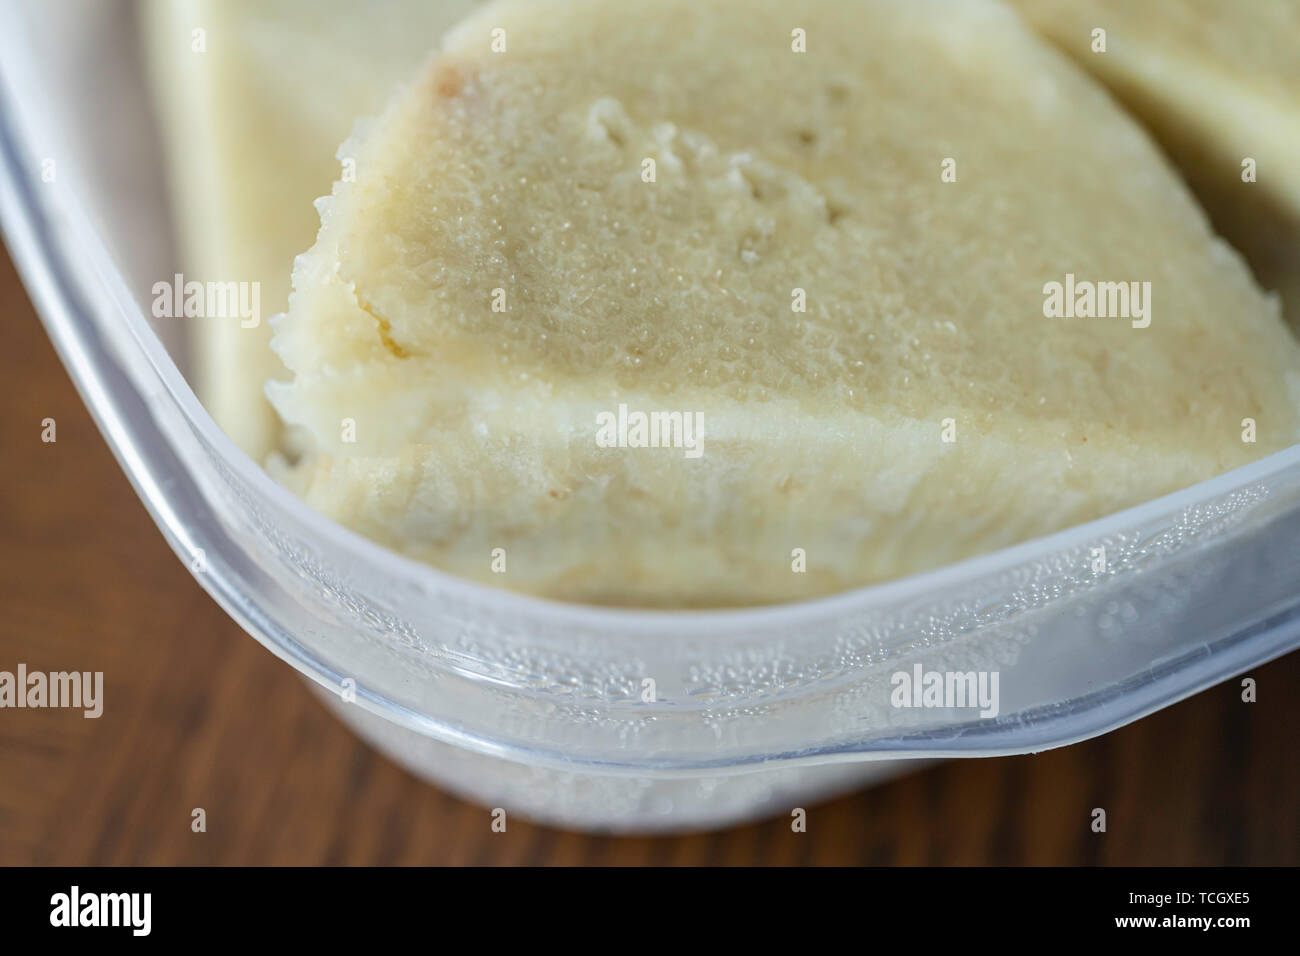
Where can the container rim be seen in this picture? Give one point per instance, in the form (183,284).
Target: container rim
(42,241)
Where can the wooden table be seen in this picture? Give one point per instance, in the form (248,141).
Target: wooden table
(197,714)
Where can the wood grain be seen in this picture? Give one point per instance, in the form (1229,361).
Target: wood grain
(197,714)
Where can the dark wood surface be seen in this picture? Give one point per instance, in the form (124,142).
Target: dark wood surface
(197,714)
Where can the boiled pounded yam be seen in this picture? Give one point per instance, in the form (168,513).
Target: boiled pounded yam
(838,236)
(255,99)
(1218,83)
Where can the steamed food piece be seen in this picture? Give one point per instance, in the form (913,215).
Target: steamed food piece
(509,274)
(1217,82)
(254,108)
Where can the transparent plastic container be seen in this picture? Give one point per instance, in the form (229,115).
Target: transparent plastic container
(536,706)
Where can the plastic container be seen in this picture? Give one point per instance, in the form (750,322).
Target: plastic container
(537,707)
